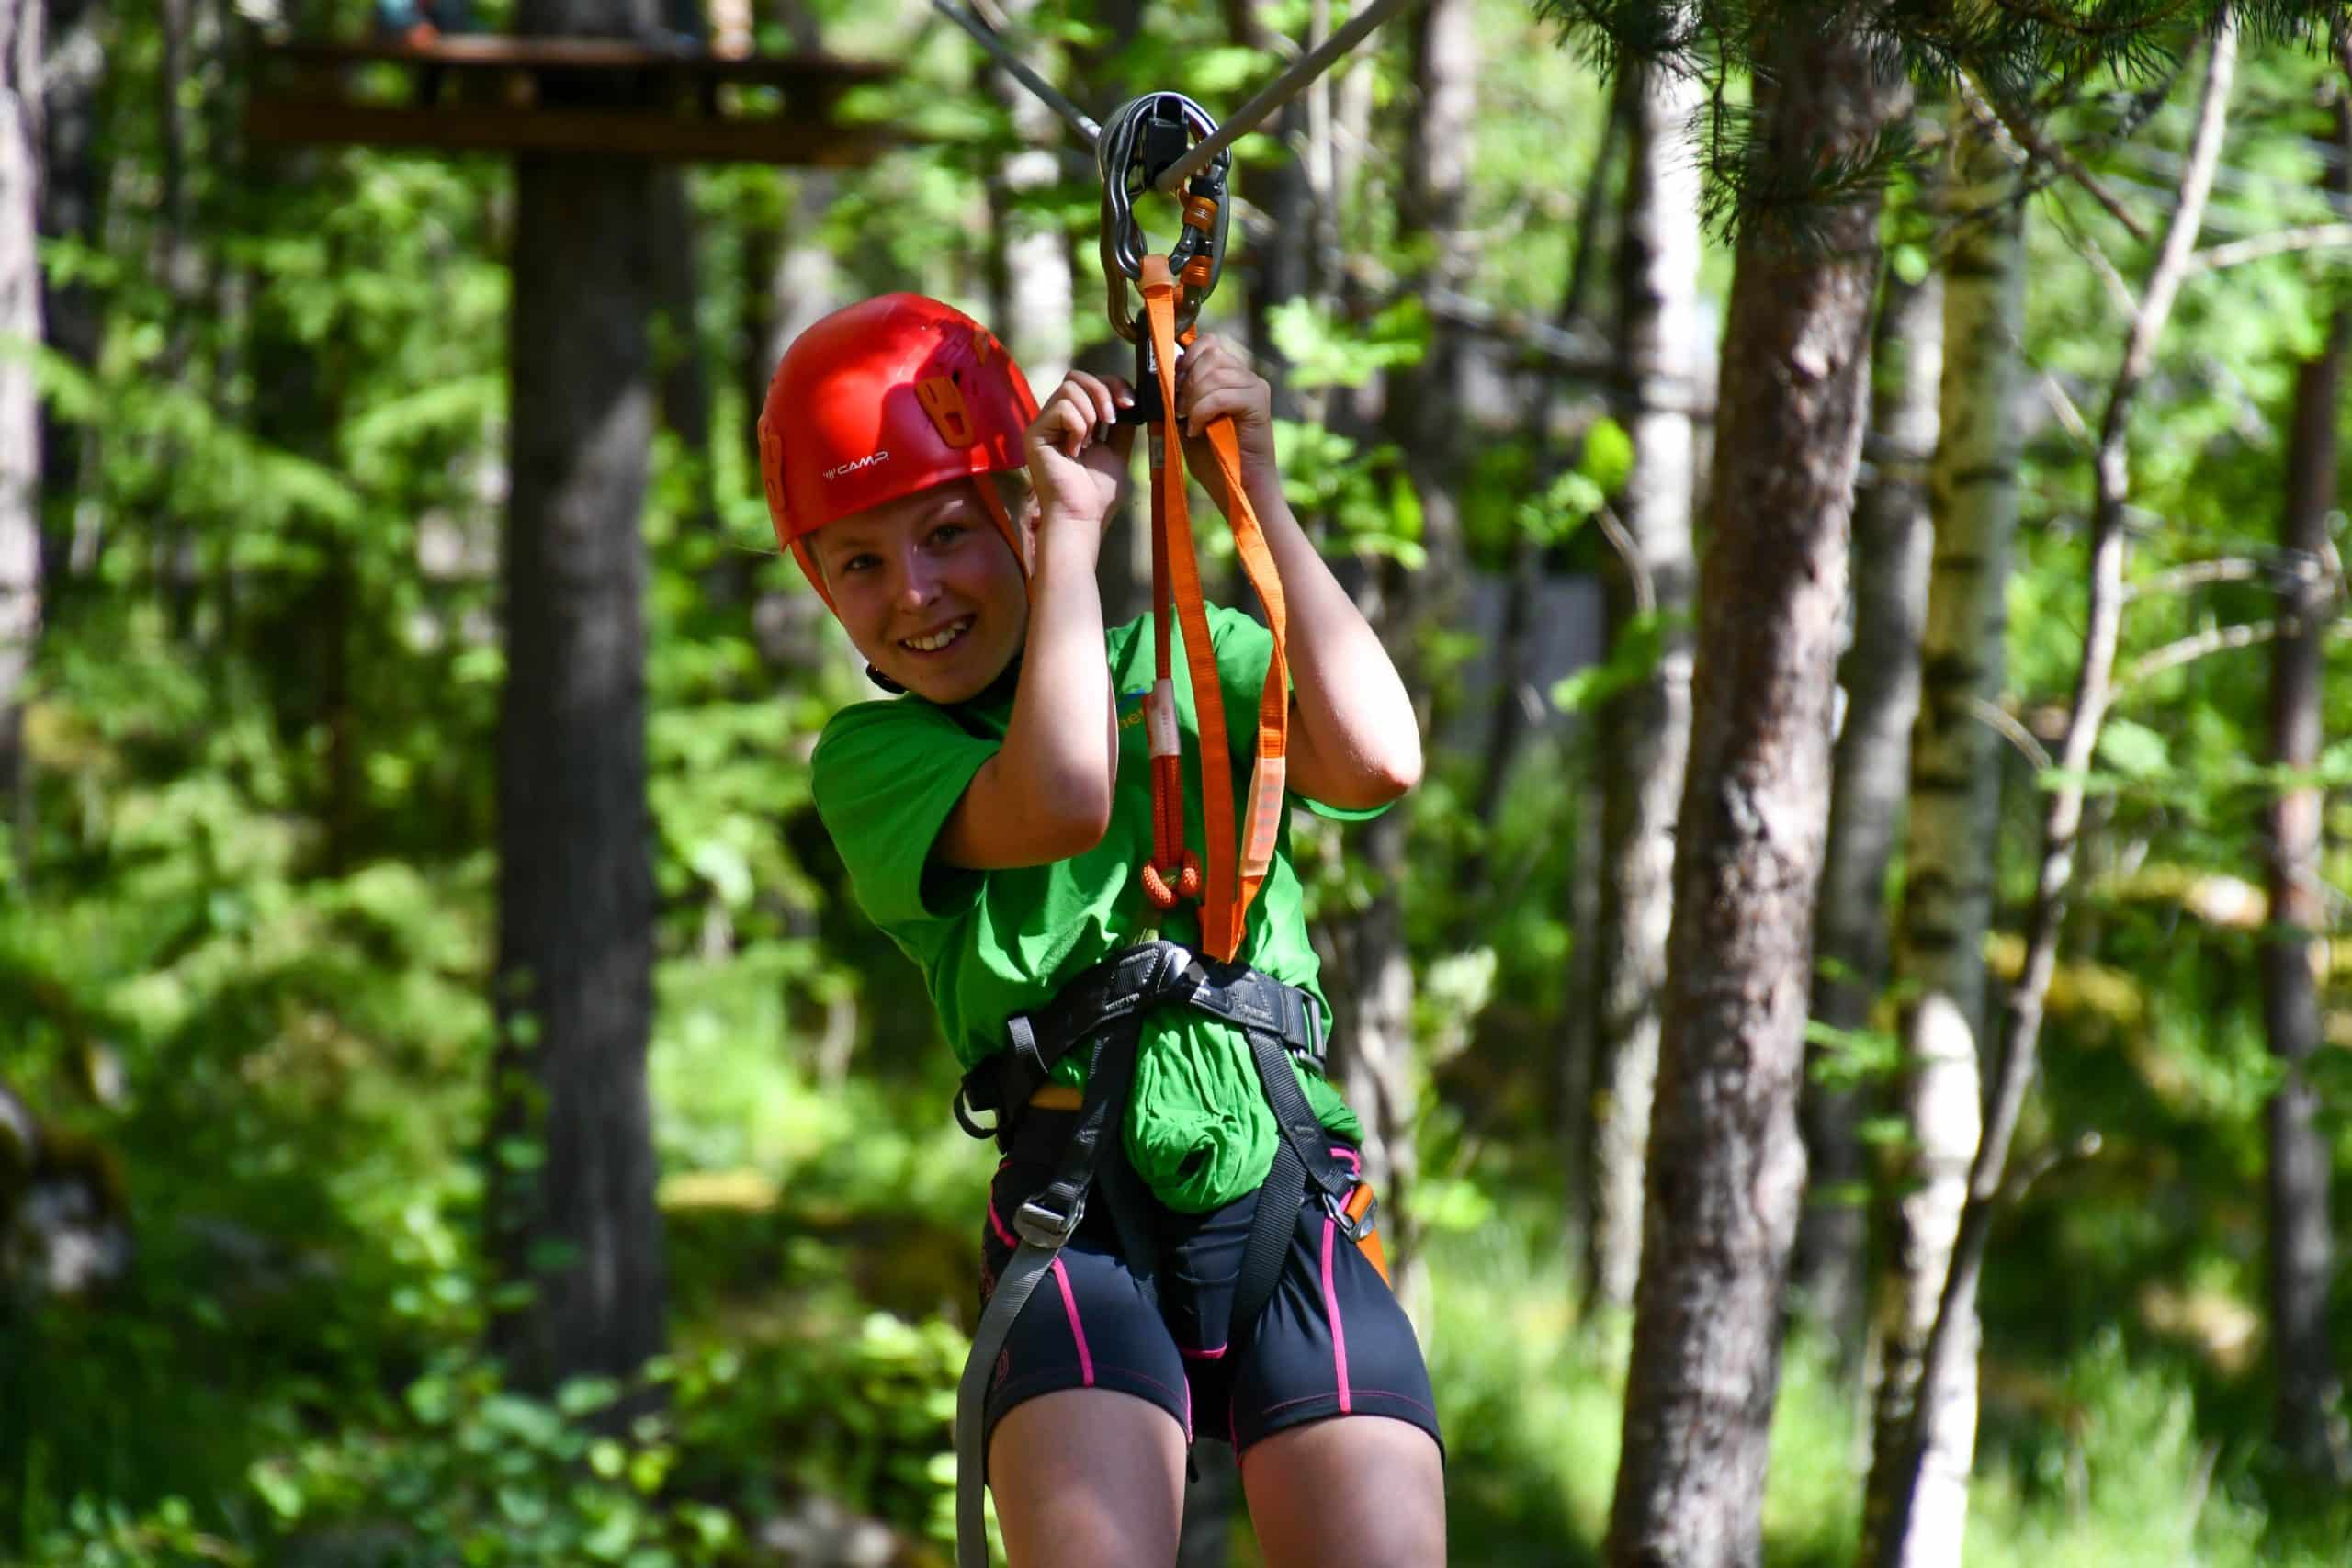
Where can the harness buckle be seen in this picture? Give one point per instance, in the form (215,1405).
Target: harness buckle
(1041,1226)
(1352,1221)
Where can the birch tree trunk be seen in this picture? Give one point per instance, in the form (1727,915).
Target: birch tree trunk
(1725,1166)
(571,1205)
(1917,1500)
(1948,886)
(1880,674)
(20,331)
(2309,1423)
(1029,259)
(1644,733)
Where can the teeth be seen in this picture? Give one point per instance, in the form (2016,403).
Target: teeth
(940,640)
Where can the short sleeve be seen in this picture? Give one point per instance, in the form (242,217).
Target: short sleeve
(886,777)
(1244,649)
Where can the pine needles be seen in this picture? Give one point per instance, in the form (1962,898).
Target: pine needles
(2027,57)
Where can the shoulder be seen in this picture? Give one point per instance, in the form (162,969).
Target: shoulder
(863,726)
(891,735)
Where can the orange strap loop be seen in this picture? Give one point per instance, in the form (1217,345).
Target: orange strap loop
(1235,870)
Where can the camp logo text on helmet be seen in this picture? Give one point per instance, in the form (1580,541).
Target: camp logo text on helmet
(866,462)
(882,400)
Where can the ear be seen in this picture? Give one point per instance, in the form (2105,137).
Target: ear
(1025,517)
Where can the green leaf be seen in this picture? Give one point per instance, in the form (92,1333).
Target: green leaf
(521,1153)
(2133,750)
(580,1396)
(430,1398)
(1639,647)
(1849,1056)
(725,868)
(1608,458)
(278,1489)
(1324,352)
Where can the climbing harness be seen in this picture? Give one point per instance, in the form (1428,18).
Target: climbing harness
(1102,1013)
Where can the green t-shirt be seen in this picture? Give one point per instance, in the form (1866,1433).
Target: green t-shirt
(991,944)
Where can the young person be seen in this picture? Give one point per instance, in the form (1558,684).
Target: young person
(992,820)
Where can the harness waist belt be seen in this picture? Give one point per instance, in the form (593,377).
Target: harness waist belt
(1125,986)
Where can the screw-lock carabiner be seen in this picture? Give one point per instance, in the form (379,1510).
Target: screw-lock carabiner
(1141,141)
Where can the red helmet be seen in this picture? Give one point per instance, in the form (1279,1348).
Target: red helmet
(883,398)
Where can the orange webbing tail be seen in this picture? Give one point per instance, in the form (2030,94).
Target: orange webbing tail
(1235,873)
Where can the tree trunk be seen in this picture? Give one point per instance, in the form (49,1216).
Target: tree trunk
(1378,1067)
(1947,889)
(70,187)
(1880,674)
(1725,1166)
(21,330)
(2302,1261)
(572,1209)
(1278,268)
(1924,1496)
(1517,705)
(683,371)
(1125,560)
(1030,275)
(1645,731)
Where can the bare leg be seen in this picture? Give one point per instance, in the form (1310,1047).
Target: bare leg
(1089,1476)
(1362,1490)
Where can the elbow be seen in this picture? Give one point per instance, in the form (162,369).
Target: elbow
(1081,815)
(1395,773)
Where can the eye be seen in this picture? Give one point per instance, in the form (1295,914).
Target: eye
(863,561)
(946,534)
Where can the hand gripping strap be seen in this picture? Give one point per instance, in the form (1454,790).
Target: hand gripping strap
(1233,880)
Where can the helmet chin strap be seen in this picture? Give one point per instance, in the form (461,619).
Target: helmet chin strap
(994,501)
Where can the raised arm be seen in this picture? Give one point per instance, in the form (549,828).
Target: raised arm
(1046,796)
(1354,741)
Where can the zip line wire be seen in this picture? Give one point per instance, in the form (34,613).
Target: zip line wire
(985,36)
(1240,123)
(1280,90)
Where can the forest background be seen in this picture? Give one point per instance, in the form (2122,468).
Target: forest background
(274,422)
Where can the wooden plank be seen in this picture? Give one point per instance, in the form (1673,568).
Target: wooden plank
(454,127)
(484,51)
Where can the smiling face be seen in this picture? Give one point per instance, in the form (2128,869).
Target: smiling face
(928,590)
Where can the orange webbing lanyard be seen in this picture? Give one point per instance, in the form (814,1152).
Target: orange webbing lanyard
(1172,873)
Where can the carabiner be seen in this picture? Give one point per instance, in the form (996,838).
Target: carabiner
(1140,140)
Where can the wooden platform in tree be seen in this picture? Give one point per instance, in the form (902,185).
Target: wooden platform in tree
(603,96)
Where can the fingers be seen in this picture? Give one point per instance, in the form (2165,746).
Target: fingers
(1213,382)
(1084,408)
(1081,413)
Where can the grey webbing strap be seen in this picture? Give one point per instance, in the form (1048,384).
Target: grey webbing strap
(1045,1221)
(1301,1157)
(1013,1291)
